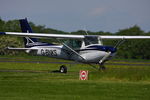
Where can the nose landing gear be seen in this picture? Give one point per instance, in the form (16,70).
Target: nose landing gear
(102,67)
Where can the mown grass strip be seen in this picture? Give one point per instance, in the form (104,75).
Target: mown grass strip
(28,81)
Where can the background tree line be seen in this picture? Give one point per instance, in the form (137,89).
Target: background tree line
(130,49)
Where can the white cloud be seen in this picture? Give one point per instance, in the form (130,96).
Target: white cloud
(97,11)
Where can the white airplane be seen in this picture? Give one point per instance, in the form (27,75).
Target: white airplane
(81,48)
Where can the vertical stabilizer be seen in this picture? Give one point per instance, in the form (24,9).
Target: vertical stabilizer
(25,27)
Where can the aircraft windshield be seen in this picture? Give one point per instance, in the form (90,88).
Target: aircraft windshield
(74,44)
(91,40)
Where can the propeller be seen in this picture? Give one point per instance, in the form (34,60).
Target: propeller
(101,62)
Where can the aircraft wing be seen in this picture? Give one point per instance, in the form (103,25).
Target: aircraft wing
(46,35)
(40,35)
(124,37)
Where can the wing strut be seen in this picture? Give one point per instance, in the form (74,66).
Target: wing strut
(73,51)
(119,43)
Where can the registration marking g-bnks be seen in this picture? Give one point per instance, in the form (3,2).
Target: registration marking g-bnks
(48,52)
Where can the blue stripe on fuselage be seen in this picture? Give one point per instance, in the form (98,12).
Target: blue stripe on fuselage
(103,48)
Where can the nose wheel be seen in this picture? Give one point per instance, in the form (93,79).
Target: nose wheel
(63,69)
(101,66)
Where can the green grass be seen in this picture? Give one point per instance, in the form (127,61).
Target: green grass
(66,90)
(35,81)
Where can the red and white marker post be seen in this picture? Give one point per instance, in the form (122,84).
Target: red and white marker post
(83,75)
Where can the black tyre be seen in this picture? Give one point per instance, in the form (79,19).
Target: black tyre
(63,69)
(102,67)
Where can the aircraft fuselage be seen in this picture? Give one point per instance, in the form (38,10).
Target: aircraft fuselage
(87,55)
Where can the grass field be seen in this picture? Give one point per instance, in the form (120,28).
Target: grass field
(29,81)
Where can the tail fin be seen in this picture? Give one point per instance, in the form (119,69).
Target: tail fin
(25,27)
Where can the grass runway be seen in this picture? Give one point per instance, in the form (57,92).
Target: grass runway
(28,81)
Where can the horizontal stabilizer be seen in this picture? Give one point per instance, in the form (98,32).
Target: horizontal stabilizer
(10,48)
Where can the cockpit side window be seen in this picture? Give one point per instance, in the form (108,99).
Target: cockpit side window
(91,40)
(74,44)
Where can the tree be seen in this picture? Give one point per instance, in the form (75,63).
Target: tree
(2,23)
(132,48)
(7,41)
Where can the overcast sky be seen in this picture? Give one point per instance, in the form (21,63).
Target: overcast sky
(73,15)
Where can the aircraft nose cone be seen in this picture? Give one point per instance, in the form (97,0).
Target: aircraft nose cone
(112,49)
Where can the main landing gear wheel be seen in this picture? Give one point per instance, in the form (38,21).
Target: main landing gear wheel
(63,69)
(102,67)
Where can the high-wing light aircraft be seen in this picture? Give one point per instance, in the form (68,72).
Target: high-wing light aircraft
(81,48)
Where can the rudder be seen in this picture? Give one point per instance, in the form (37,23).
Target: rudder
(25,27)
